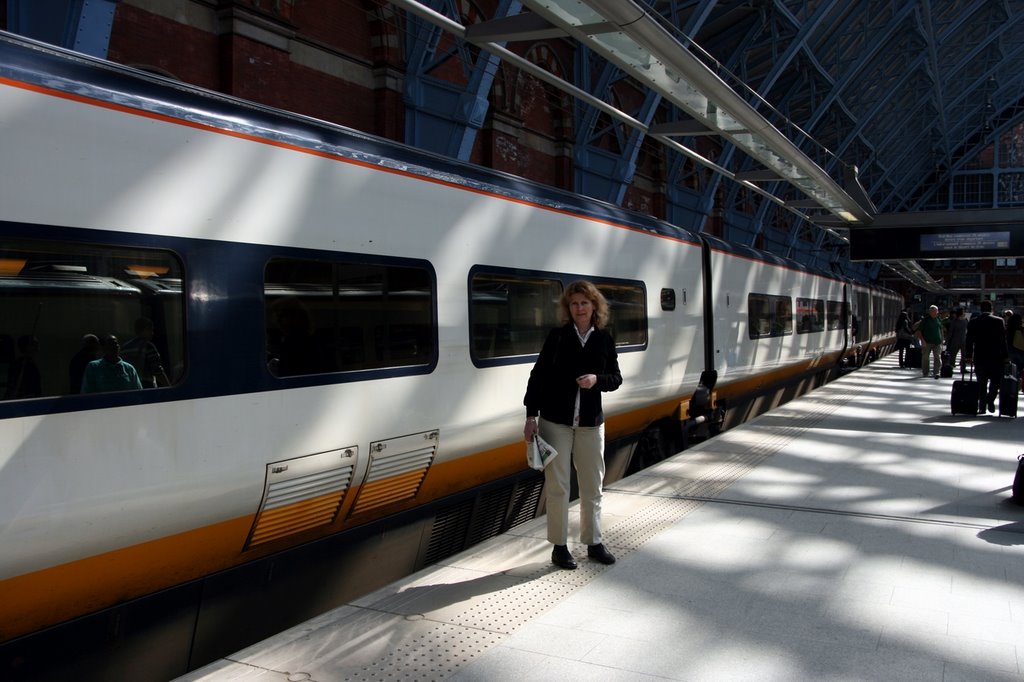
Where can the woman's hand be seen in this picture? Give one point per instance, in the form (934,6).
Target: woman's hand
(586,381)
(530,429)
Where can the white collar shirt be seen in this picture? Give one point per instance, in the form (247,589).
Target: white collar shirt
(583,342)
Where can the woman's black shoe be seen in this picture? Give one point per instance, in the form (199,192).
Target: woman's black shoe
(599,553)
(562,557)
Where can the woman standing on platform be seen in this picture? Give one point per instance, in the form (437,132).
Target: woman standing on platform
(577,363)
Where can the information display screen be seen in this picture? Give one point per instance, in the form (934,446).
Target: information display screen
(967,280)
(965,241)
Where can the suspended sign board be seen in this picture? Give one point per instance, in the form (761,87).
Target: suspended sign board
(936,243)
(971,281)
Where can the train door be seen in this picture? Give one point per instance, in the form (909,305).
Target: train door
(861,321)
(730,351)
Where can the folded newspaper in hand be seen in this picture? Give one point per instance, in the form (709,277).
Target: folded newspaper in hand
(539,453)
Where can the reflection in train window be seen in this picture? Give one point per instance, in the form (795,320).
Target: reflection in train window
(810,313)
(836,315)
(511,314)
(769,315)
(627,321)
(57,299)
(336,316)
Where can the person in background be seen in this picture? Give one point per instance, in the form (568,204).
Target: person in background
(296,351)
(24,380)
(142,353)
(563,403)
(110,372)
(1015,342)
(89,351)
(956,335)
(904,336)
(929,330)
(986,347)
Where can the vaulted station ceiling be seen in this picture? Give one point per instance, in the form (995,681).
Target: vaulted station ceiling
(907,91)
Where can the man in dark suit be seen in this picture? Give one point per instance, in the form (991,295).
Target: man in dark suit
(986,346)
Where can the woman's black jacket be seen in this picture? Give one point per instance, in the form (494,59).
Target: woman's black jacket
(551,391)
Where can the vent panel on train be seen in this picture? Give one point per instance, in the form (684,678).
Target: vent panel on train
(396,470)
(302,493)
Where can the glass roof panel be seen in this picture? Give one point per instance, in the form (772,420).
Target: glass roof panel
(657,59)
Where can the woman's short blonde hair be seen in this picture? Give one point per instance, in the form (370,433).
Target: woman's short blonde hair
(581,286)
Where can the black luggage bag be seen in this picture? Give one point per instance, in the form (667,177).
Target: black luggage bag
(1008,389)
(913,357)
(946,370)
(964,398)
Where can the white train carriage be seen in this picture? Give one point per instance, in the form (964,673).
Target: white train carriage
(771,315)
(348,335)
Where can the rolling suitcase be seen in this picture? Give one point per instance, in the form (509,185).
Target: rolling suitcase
(1008,389)
(946,371)
(964,398)
(913,357)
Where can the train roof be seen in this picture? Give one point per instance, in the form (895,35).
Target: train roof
(82,76)
(87,77)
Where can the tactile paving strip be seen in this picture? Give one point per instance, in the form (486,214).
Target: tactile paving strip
(506,610)
(435,655)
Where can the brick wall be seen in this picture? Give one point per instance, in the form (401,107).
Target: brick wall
(314,57)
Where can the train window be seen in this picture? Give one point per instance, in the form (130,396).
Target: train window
(58,299)
(836,318)
(668,299)
(811,315)
(336,316)
(769,315)
(627,321)
(511,314)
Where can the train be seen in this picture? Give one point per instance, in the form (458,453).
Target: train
(345,326)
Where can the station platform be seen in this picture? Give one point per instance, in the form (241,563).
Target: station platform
(860,532)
